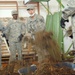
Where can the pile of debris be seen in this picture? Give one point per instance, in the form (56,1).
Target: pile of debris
(45,41)
(52,68)
(52,65)
(12,68)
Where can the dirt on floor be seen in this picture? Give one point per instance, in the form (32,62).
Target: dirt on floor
(46,67)
(45,41)
(12,68)
(53,68)
(51,65)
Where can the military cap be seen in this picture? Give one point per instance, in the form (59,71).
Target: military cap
(30,6)
(14,12)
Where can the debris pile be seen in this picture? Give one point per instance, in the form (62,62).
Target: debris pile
(52,65)
(12,68)
(52,68)
(44,41)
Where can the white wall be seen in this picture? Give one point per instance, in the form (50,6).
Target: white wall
(6,12)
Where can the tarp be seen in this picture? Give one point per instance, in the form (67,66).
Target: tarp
(53,24)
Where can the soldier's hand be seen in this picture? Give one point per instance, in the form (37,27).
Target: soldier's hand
(71,36)
(62,22)
(3,35)
(20,37)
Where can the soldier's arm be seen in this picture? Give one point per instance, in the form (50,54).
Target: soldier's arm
(23,29)
(2,28)
(41,23)
(27,25)
(7,29)
(70,11)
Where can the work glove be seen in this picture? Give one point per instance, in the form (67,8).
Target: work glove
(20,37)
(28,35)
(62,22)
(71,36)
(3,35)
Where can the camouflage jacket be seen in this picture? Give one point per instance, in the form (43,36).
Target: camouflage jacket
(14,29)
(35,24)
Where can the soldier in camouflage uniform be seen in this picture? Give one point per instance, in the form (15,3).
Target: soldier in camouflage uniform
(34,24)
(15,31)
(1,30)
(69,11)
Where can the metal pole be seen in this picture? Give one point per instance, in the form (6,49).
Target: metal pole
(48,6)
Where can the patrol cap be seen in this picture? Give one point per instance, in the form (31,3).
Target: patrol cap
(30,6)
(14,12)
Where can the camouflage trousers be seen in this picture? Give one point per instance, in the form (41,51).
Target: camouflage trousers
(15,47)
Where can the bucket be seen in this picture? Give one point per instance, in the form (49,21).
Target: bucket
(27,70)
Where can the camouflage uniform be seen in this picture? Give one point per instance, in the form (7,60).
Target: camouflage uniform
(1,29)
(70,11)
(34,25)
(14,29)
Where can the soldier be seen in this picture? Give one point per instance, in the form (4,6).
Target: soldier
(69,11)
(14,32)
(34,24)
(1,30)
